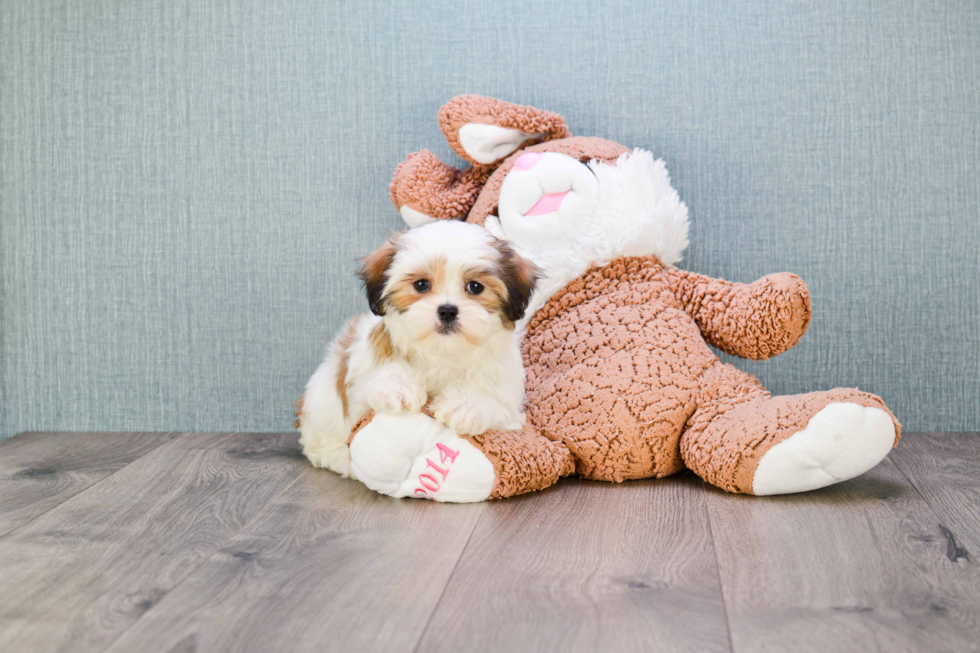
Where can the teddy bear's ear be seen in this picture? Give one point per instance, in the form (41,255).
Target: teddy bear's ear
(426,189)
(484,131)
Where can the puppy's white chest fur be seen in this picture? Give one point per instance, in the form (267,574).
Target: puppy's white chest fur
(494,365)
(470,388)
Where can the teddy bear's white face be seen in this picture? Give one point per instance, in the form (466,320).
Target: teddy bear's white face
(567,216)
(547,201)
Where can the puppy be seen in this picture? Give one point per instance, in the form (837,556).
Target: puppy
(445,298)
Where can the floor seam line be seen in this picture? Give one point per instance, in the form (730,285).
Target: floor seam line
(914,485)
(714,553)
(442,594)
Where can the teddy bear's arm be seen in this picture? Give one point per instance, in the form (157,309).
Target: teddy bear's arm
(755,321)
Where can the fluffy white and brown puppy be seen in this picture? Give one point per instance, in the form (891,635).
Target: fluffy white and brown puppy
(445,299)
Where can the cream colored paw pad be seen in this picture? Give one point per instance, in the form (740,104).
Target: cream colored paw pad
(840,442)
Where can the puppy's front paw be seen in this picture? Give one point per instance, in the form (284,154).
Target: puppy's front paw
(394,395)
(466,415)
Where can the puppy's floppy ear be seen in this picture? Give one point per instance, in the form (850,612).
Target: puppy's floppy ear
(520,276)
(374,274)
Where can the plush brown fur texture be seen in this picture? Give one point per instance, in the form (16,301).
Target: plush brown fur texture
(426,184)
(621,383)
(622,342)
(523,461)
(364,420)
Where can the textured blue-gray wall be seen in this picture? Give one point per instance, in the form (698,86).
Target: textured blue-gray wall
(184,184)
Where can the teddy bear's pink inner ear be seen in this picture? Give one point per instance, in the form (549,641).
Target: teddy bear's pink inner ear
(484,131)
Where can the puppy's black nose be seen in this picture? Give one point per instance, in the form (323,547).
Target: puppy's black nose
(447,313)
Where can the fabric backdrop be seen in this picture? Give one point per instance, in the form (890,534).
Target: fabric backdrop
(185,184)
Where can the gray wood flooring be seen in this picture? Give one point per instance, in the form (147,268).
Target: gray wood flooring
(231,542)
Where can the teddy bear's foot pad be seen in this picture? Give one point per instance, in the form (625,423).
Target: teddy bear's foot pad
(416,456)
(841,441)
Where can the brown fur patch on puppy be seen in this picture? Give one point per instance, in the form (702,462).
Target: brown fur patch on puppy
(299,412)
(495,298)
(381,343)
(374,274)
(519,276)
(343,349)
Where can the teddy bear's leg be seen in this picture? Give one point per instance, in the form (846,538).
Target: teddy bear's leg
(523,461)
(744,440)
(416,456)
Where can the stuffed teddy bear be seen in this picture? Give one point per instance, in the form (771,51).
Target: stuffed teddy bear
(621,383)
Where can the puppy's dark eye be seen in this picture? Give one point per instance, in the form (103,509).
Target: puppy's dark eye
(474,287)
(422,285)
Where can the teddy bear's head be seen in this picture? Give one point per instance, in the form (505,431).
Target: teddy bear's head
(565,202)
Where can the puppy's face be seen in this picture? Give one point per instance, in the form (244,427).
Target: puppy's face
(448,284)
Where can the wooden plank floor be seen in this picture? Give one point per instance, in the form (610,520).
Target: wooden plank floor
(231,542)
